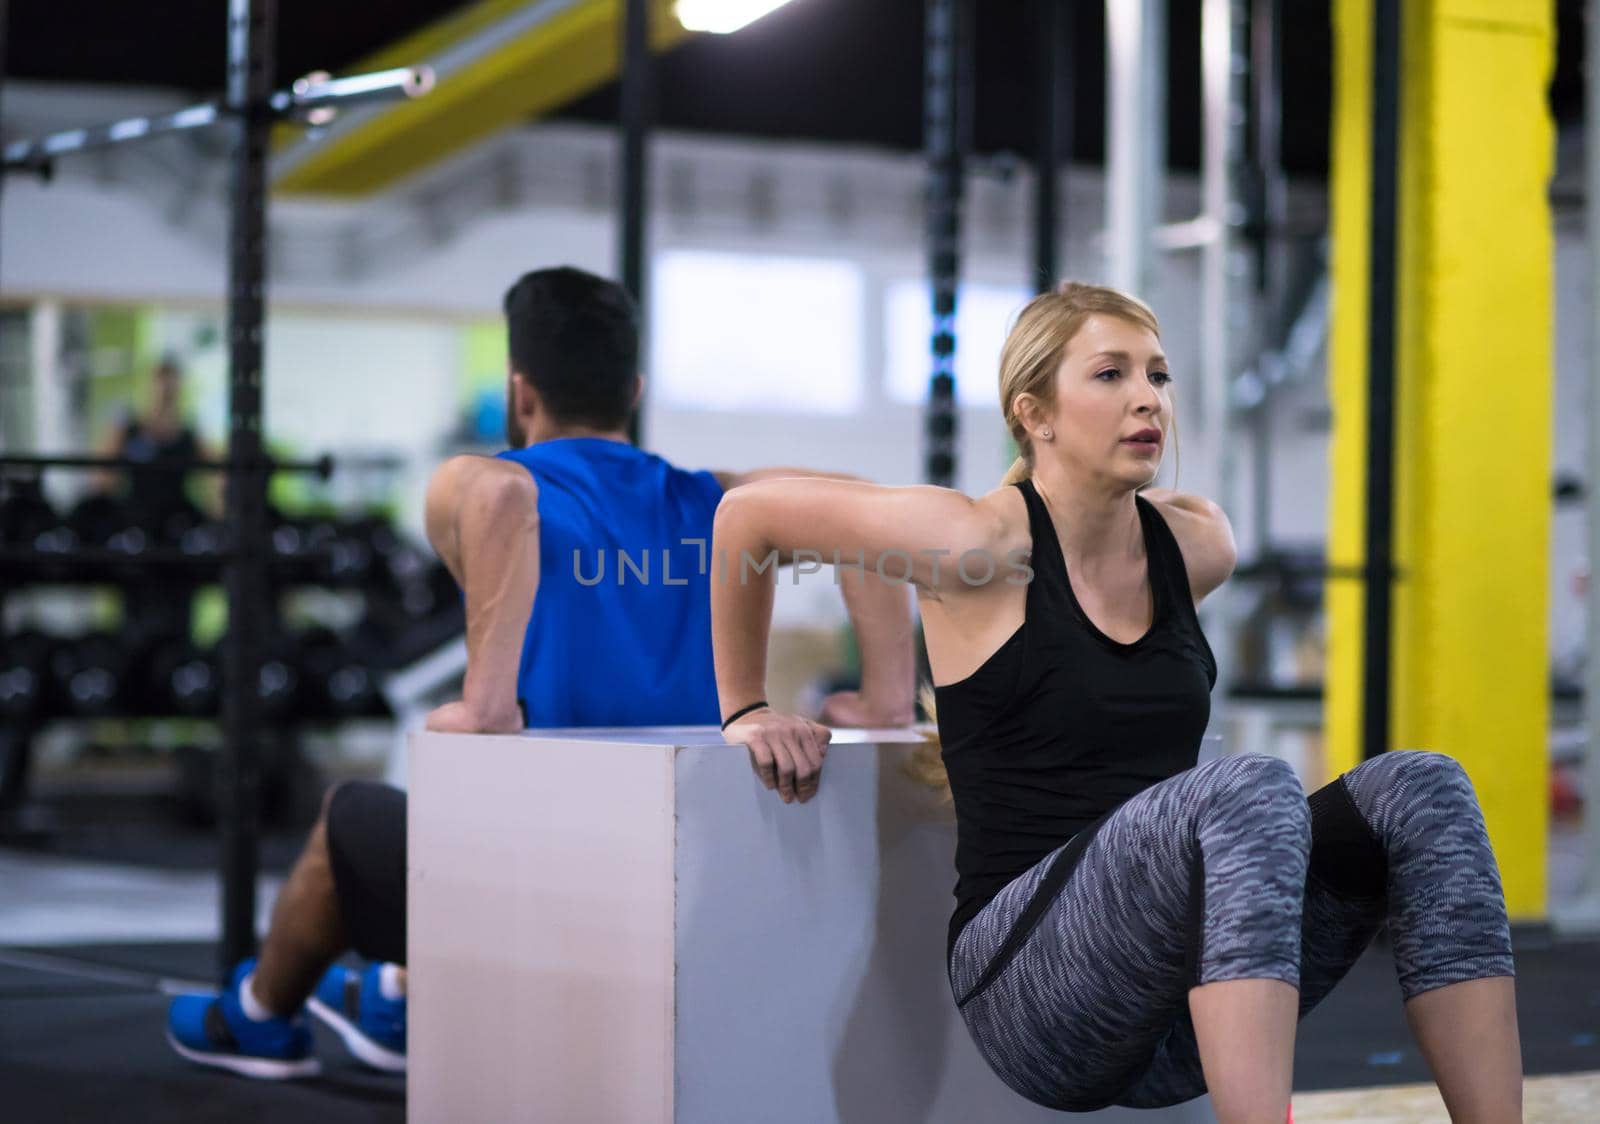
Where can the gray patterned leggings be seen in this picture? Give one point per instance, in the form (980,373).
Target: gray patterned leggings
(1226,871)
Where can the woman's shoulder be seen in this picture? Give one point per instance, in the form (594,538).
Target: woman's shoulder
(1203,534)
(1008,510)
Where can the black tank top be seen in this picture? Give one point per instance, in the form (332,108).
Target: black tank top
(155,495)
(1063,723)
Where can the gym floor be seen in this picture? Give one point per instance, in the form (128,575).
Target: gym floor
(109,913)
(81,1024)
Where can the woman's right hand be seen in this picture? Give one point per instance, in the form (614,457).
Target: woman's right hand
(786,751)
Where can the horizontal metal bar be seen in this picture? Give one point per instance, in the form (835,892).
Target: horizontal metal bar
(323,466)
(313,94)
(100,561)
(93,563)
(35,155)
(1267,571)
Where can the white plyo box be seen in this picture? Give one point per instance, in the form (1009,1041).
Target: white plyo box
(624,926)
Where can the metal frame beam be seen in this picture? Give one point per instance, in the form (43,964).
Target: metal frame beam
(1381,339)
(1054,78)
(251,28)
(637,96)
(1136,137)
(946,78)
(1591,674)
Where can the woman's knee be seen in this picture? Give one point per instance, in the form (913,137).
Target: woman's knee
(1411,778)
(1272,778)
(1427,769)
(1256,786)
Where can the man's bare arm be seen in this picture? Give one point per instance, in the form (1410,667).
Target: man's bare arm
(483,520)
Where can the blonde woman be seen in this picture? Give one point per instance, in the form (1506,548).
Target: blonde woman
(1130,927)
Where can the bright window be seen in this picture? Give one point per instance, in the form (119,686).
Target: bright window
(983,316)
(739,332)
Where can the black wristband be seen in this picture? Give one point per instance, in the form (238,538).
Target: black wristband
(741,712)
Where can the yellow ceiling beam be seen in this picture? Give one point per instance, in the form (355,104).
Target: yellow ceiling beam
(554,62)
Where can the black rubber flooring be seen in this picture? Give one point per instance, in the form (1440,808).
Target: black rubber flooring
(81,1039)
(1358,1036)
(92,1049)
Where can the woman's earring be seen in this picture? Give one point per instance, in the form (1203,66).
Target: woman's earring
(1045,433)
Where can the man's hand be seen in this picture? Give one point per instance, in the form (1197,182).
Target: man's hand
(786,751)
(457,718)
(854,710)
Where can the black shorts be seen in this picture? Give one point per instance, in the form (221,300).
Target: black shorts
(367,843)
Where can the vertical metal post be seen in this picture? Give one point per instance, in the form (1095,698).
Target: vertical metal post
(1136,137)
(1591,673)
(1267,71)
(1217,169)
(637,96)
(1266,67)
(1055,133)
(5,42)
(1222,94)
(1381,374)
(944,43)
(251,28)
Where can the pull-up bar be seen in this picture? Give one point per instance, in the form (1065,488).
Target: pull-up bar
(312,99)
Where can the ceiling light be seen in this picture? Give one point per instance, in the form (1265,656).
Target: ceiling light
(722,16)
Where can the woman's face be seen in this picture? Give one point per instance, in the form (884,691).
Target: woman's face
(1113,407)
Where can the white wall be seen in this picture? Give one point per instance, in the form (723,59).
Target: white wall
(402,269)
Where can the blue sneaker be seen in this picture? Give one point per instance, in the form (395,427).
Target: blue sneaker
(373,1028)
(214,1030)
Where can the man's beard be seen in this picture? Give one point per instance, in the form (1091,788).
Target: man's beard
(516,436)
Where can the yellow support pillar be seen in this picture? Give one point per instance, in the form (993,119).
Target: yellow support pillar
(1473,390)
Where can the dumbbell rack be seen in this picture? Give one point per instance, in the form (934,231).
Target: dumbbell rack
(409,631)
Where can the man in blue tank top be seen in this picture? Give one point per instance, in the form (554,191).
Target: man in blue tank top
(585,566)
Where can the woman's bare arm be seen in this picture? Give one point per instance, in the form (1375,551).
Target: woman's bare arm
(885,628)
(902,535)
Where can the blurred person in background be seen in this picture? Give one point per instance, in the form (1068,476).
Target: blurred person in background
(153,506)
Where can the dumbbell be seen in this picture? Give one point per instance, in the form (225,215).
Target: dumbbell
(309,549)
(344,685)
(348,555)
(278,686)
(104,521)
(400,560)
(89,674)
(289,545)
(278,680)
(24,675)
(28,520)
(187,530)
(184,679)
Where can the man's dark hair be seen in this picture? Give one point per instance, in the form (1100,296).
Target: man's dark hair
(575,338)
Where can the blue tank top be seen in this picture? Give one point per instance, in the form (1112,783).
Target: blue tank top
(621,627)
